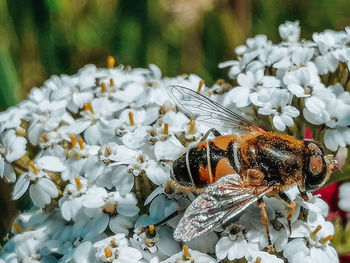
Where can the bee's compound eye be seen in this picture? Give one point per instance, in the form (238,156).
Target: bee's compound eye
(316,165)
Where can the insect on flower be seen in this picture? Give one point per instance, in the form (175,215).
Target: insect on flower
(233,171)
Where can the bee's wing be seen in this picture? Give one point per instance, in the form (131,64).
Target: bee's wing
(207,111)
(221,201)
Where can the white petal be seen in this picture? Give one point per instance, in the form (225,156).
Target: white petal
(16,149)
(129,254)
(287,120)
(95,197)
(222,247)
(135,139)
(34,133)
(128,210)
(120,224)
(51,163)
(82,252)
(100,222)
(122,180)
(332,140)
(167,150)
(39,197)
(21,186)
(314,104)
(69,208)
(291,111)
(2,166)
(240,96)
(297,90)
(9,173)
(278,123)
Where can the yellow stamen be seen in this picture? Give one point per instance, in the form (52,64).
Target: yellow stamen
(108,252)
(77,181)
(313,233)
(258,260)
(44,137)
(103,87)
(108,150)
(113,244)
(151,229)
(81,143)
(73,140)
(200,86)
(33,167)
(186,255)
(18,227)
(110,62)
(327,238)
(131,118)
(166,129)
(111,82)
(192,125)
(88,107)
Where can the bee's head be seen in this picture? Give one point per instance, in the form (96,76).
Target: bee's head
(317,166)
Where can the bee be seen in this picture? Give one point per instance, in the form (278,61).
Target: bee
(231,172)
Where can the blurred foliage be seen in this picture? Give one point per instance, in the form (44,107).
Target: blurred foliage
(44,37)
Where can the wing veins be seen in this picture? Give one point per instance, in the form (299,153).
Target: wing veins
(193,103)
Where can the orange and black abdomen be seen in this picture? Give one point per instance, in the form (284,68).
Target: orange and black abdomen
(204,164)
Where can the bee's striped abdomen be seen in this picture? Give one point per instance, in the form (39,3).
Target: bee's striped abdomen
(204,164)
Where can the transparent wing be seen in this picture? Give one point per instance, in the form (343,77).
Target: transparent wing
(220,202)
(207,111)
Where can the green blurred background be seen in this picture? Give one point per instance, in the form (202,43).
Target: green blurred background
(39,38)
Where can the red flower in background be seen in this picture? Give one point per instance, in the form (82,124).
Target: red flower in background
(330,194)
(345,258)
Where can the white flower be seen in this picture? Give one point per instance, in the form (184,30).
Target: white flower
(235,67)
(278,106)
(301,79)
(335,138)
(192,256)
(234,245)
(326,61)
(252,48)
(71,201)
(290,32)
(12,118)
(28,244)
(154,242)
(111,209)
(250,83)
(297,250)
(46,117)
(12,147)
(116,249)
(42,188)
(76,89)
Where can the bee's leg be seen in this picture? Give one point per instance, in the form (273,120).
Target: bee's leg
(292,206)
(303,195)
(265,220)
(171,216)
(213,131)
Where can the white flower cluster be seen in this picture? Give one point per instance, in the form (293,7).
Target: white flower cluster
(294,81)
(95,151)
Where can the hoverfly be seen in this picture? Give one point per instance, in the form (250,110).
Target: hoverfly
(233,171)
